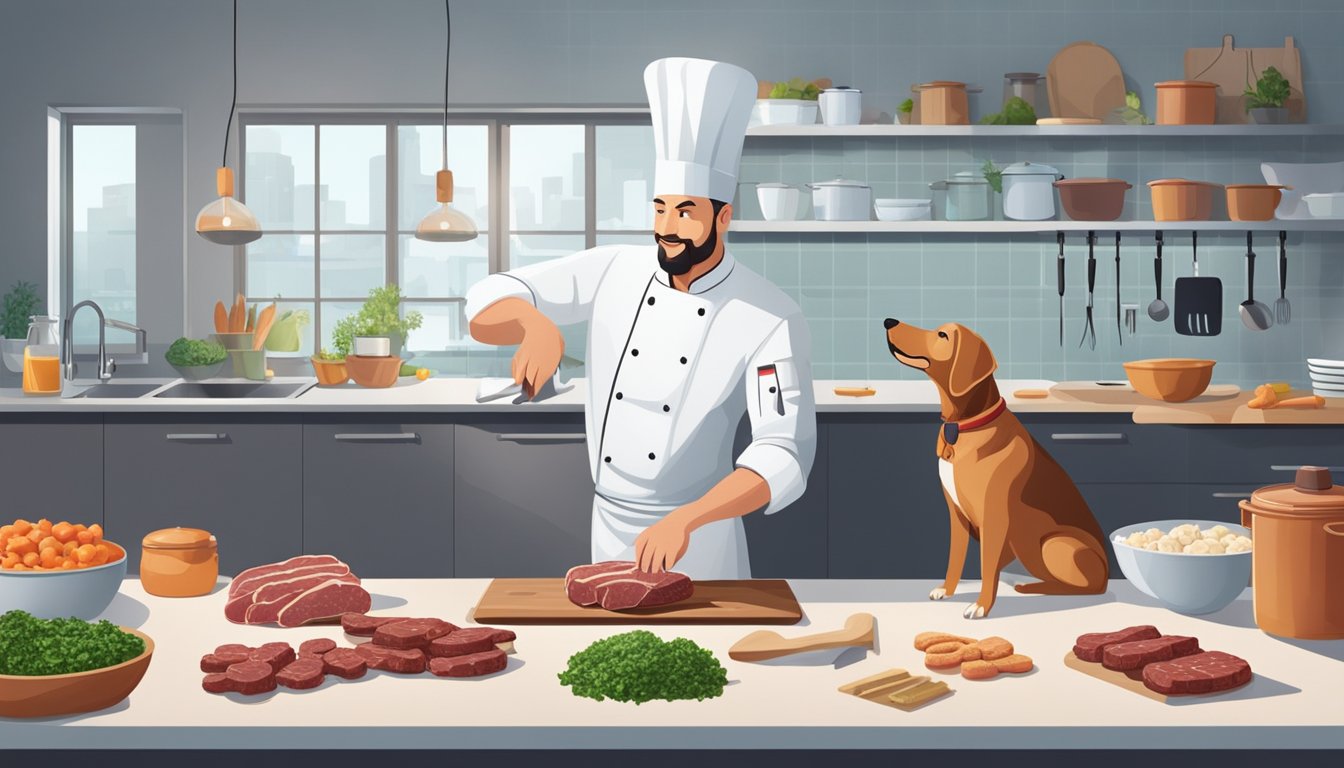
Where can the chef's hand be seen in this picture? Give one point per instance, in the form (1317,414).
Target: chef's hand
(539,353)
(661,545)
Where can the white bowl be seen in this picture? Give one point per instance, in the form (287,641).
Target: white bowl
(1189,584)
(779,202)
(903,209)
(1325,366)
(1328,386)
(1305,179)
(83,593)
(1325,205)
(1326,392)
(371,346)
(786,111)
(1318,377)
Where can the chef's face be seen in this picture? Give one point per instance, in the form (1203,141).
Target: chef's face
(687,230)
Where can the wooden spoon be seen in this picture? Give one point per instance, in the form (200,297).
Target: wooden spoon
(264,320)
(765,644)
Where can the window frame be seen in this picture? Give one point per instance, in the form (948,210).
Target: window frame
(498,124)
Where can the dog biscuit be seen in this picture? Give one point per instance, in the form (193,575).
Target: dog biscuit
(979,670)
(971,652)
(1015,664)
(918,695)
(947,646)
(942,660)
(992,648)
(925,640)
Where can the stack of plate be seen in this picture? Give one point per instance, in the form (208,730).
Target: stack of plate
(1327,377)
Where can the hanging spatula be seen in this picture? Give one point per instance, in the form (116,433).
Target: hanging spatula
(1199,300)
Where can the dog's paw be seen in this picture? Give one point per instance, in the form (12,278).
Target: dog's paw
(938,594)
(974,611)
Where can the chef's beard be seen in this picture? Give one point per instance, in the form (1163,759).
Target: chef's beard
(691,254)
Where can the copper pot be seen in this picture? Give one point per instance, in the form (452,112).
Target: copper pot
(1297,571)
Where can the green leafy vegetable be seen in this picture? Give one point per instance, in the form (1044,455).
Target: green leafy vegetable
(907,106)
(20,303)
(639,666)
(33,646)
(796,88)
(192,352)
(334,357)
(1270,91)
(993,175)
(1016,111)
(1132,112)
(1132,100)
(380,316)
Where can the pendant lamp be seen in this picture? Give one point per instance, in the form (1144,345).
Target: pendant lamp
(227,221)
(446,224)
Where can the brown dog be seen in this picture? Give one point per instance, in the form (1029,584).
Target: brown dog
(1001,486)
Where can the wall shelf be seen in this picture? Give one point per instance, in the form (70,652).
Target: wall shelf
(1029,227)
(1075,131)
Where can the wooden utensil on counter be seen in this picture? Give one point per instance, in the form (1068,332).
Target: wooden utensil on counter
(265,319)
(221,318)
(859,632)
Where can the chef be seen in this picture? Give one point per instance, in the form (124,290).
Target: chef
(682,341)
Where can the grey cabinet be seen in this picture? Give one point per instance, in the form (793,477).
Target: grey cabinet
(888,518)
(240,481)
(522,498)
(791,543)
(1101,450)
(54,468)
(379,496)
(1263,455)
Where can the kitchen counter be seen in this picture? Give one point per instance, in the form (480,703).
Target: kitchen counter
(1292,703)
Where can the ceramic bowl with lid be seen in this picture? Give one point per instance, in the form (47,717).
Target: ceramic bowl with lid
(841,200)
(179,562)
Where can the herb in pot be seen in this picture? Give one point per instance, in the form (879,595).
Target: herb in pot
(907,106)
(189,353)
(1271,91)
(1016,111)
(639,666)
(993,175)
(20,303)
(329,357)
(36,647)
(379,316)
(796,88)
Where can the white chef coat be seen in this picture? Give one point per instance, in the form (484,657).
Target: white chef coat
(670,374)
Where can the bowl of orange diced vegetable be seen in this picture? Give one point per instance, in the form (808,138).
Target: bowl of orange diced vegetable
(58,570)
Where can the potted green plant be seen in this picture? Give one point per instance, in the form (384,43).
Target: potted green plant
(19,305)
(791,102)
(379,318)
(330,368)
(196,359)
(1265,102)
(904,111)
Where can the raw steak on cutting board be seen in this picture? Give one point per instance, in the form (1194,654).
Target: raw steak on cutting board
(618,585)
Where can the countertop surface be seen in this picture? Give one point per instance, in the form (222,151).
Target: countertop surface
(1223,404)
(1292,702)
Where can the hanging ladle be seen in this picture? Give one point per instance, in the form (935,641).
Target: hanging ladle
(1256,315)
(1158,309)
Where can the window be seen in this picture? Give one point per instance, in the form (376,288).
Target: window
(102,223)
(338,198)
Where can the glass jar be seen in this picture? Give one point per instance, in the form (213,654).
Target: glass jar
(179,562)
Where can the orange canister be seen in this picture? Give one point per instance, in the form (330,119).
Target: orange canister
(179,562)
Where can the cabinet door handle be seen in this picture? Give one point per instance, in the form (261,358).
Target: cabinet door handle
(542,437)
(1231,495)
(377,437)
(1088,437)
(1295,467)
(197,437)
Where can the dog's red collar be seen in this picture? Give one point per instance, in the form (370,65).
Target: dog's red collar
(953,429)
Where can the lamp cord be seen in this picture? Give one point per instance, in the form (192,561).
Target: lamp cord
(447,55)
(234,105)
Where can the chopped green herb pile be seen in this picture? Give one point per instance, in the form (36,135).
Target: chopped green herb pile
(639,666)
(33,646)
(192,352)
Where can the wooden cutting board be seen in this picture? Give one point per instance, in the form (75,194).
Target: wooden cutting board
(1087,392)
(1234,69)
(1135,684)
(543,601)
(1084,80)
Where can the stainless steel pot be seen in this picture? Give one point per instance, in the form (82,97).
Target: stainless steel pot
(841,200)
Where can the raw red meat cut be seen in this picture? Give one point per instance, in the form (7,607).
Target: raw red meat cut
(316,647)
(344,662)
(1206,672)
(408,662)
(471,665)
(251,578)
(324,602)
(220,662)
(278,655)
(1140,653)
(251,677)
(411,633)
(464,642)
(620,585)
(360,625)
(301,674)
(1091,647)
(217,682)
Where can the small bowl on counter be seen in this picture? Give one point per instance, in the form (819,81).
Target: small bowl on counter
(373,372)
(1185,582)
(330,373)
(1170,379)
(1093,199)
(54,594)
(199,372)
(903,209)
(23,696)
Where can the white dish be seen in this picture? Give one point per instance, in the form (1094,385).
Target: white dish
(1329,366)
(1305,179)
(1327,386)
(1329,393)
(1325,205)
(841,200)
(903,209)
(786,111)
(779,202)
(1318,377)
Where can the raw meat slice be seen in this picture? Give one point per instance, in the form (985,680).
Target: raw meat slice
(234,648)
(360,625)
(1091,647)
(279,595)
(411,633)
(464,642)
(1206,672)
(217,683)
(504,639)
(316,647)
(618,585)
(256,583)
(278,655)
(344,662)
(251,677)
(581,581)
(301,674)
(325,601)
(262,571)
(408,662)
(220,662)
(471,665)
(1140,653)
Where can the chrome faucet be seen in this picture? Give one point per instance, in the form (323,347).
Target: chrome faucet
(106,365)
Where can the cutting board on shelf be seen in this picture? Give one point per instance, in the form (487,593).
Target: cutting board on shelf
(1236,69)
(1084,80)
(1133,684)
(543,601)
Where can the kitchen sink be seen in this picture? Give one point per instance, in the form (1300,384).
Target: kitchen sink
(119,390)
(226,390)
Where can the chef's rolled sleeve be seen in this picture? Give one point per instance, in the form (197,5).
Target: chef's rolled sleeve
(783,445)
(563,289)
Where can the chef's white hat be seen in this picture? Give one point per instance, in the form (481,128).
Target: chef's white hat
(700,111)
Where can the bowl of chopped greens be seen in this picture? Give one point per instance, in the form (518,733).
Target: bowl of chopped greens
(52,667)
(196,359)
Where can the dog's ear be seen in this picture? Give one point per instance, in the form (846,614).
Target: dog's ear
(972,362)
